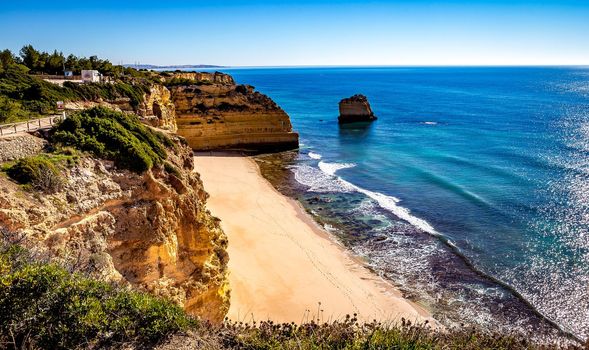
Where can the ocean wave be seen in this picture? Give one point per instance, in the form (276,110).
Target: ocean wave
(330,182)
(319,181)
(332,168)
(314,155)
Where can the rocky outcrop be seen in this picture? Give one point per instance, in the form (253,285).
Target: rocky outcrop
(222,115)
(200,77)
(17,146)
(210,111)
(157,108)
(355,109)
(151,231)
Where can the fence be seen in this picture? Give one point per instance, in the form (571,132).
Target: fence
(58,77)
(30,125)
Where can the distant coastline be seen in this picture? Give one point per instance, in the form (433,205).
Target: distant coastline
(183,66)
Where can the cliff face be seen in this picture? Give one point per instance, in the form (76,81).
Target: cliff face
(215,113)
(211,112)
(156,108)
(203,77)
(151,230)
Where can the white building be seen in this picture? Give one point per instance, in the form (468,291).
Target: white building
(91,76)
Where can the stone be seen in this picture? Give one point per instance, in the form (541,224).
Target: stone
(355,109)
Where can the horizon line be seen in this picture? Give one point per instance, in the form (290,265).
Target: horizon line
(213,66)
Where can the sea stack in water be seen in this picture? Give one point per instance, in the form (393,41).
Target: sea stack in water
(355,109)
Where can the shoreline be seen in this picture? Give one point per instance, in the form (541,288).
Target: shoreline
(292,270)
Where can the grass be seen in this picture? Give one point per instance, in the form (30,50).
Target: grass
(115,136)
(349,334)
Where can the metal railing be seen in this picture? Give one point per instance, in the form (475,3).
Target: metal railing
(30,125)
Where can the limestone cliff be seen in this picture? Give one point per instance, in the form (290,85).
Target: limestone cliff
(155,109)
(151,231)
(212,112)
(201,77)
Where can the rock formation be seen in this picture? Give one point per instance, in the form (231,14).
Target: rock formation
(212,112)
(355,109)
(156,109)
(151,231)
(201,77)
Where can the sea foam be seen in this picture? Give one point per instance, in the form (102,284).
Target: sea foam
(314,155)
(386,202)
(331,168)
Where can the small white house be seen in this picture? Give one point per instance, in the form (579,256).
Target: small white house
(91,76)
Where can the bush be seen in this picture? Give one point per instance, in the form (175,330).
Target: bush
(113,135)
(24,96)
(96,91)
(176,81)
(44,306)
(38,172)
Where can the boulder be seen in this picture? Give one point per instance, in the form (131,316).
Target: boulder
(355,109)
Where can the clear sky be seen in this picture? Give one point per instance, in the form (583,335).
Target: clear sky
(288,32)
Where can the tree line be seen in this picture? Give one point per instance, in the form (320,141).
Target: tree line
(55,63)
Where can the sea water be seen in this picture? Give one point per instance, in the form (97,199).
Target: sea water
(470,192)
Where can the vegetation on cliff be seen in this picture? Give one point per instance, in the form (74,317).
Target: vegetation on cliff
(55,62)
(115,136)
(38,172)
(42,172)
(44,306)
(24,95)
(178,81)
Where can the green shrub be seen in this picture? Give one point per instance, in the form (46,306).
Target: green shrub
(113,135)
(38,172)
(176,81)
(96,91)
(23,96)
(11,110)
(44,306)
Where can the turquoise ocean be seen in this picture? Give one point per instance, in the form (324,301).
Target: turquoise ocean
(470,192)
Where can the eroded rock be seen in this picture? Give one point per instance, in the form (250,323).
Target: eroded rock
(355,109)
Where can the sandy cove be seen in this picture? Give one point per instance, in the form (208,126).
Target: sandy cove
(282,264)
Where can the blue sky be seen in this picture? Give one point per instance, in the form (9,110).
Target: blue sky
(261,33)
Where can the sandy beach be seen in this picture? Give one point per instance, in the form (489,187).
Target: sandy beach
(283,266)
